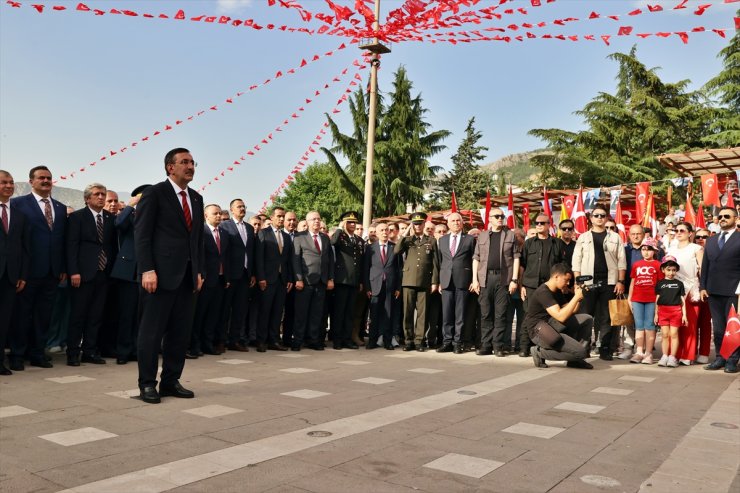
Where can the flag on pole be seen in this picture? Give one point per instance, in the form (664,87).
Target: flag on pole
(642,193)
(709,190)
(525,217)
(511,220)
(563,214)
(700,221)
(731,339)
(620,222)
(730,199)
(579,214)
(453,206)
(547,211)
(690,216)
(488,208)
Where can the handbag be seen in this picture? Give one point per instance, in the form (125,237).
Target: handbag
(620,311)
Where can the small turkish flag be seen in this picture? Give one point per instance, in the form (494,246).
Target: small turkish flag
(709,189)
(731,339)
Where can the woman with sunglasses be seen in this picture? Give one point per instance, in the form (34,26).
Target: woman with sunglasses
(688,256)
(705,316)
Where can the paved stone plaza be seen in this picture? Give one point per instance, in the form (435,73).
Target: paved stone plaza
(375,421)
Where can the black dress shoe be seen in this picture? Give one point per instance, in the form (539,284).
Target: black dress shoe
(371,345)
(73,361)
(337,346)
(524,353)
(606,355)
(409,347)
(238,347)
(717,364)
(150,395)
(121,361)
(277,347)
(316,347)
(484,352)
(730,367)
(190,355)
(16,365)
(351,345)
(580,364)
(539,361)
(4,371)
(457,349)
(94,359)
(389,347)
(261,348)
(499,353)
(211,352)
(421,349)
(444,348)
(133,357)
(42,363)
(295,348)
(175,390)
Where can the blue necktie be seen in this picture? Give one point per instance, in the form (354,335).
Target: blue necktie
(722,239)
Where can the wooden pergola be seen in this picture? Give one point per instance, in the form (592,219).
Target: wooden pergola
(696,163)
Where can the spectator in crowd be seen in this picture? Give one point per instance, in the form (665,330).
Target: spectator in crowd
(600,253)
(56,338)
(670,302)
(111,202)
(348,253)
(91,250)
(382,282)
(644,276)
(567,240)
(15,258)
(372,233)
(429,228)
(516,307)
(720,276)
(714,226)
(47,220)
(705,316)
(313,267)
(291,221)
(455,259)
(433,334)
(680,213)
(302,226)
(169,252)
(495,269)
(225,216)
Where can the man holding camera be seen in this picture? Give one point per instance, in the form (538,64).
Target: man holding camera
(557,330)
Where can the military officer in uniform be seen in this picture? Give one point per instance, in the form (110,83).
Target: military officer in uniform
(420,278)
(348,251)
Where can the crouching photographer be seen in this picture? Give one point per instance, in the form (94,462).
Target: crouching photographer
(560,334)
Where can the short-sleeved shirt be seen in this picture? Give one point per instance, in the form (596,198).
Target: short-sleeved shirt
(540,301)
(670,292)
(645,275)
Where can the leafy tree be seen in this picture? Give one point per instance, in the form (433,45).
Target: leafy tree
(726,88)
(466,178)
(403,146)
(625,131)
(315,188)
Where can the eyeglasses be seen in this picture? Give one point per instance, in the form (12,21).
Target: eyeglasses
(566,229)
(497,216)
(725,216)
(186,162)
(682,231)
(611,228)
(541,223)
(598,216)
(701,237)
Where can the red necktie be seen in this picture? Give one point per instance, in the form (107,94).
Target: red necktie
(454,245)
(186,211)
(383,256)
(217,237)
(5,218)
(316,242)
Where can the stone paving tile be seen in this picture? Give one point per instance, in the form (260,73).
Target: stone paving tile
(293,355)
(374,380)
(354,362)
(533,472)
(213,411)
(226,380)
(125,394)
(579,408)
(475,467)
(298,370)
(23,482)
(534,430)
(426,371)
(70,379)
(10,411)
(331,480)
(76,437)
(612,391)
(234,361)
(305,394)
(635,378)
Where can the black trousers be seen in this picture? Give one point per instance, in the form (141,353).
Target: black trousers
(166,321)
(516,307)
(574,332)
(252,324)
(208,315)
(108,333)
(454,301)
(596,303)
(343,311)
(381,316)
(237,305)
(309,310)
(128,323)
(494,301)
(28,337)
(471,328)
(289,317)
(272,302)
(434,332)
(7,300)
(719,307)
(88,304)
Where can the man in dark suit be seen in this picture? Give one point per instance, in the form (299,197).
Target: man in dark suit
(241,274)
(455,257)
(313,268)
(289,227)
(495,266)
(209,309)
(720,276)
(274,261)
(348,252)
(15,257)
(126,274)
(382,282)
(47,220)
(420,277)
(91,248)
(169,254)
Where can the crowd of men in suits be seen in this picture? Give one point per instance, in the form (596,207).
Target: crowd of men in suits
(187,279)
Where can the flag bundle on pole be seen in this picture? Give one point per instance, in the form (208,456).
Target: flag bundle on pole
(620,222)
(700,222)
(690,216)
(525,217)
(453,206)
(488,208)
(547,211)
(511,220)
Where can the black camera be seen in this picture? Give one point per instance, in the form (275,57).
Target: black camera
(582,280)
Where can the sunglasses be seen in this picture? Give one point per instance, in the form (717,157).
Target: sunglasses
(682,231)
(541,223)
(497,216)
(599,216)
(701,237)
(566,229)
(611,228)
(725,216)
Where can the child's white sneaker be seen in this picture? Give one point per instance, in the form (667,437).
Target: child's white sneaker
(663,361)
(647,359)
(637,358)
(672,362)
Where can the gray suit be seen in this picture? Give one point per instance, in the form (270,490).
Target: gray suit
(315,269)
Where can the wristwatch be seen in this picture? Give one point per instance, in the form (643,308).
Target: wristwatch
(515,281)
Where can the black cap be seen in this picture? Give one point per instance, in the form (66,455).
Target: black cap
(139,189)
(350,216)
(418,217)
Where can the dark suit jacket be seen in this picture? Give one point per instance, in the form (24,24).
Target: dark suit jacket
(238,251)
(83,245)
(508,251)
(271,265)
(310,266)
(458,269)
(214,259)
(348,258)
(373,269)
(47,245)
(15,248)
(163,243)
(720,269)
(124,267)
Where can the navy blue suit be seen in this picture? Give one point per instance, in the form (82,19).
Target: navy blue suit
(720,275)
(455,277)
(276,269)
(35,302)
(126,275)
(237,300)
(382,280)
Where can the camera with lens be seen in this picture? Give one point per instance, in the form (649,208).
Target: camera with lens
(582,280)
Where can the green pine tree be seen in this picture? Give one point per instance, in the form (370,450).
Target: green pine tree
(467,179)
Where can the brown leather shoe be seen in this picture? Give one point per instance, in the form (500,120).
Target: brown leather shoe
(238,347)
(219,348)
(277,347)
